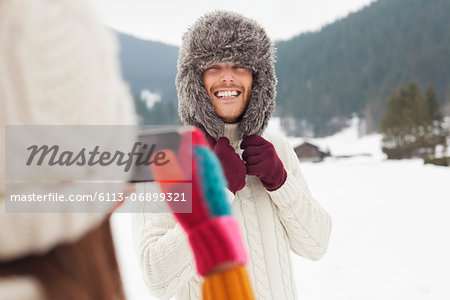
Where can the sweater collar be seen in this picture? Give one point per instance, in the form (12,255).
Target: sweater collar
(231,131)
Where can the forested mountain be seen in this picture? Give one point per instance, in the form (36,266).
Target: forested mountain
(151,66)
(351,65)
(354,64)
(148,65)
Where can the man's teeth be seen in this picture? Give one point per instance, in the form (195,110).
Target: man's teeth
(227,94)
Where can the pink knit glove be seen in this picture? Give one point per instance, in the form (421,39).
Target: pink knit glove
(213,233)
(262,161)
(233,166)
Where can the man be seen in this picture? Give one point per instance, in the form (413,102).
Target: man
(226,86)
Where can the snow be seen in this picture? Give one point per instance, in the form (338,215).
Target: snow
(344,143)
(150,98)
(390,237)
(391,227)
(127,257)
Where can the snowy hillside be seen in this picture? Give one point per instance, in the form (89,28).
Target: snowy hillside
(344,143)
(391,227)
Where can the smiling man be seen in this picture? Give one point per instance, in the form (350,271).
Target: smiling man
(226,86)
(229,86)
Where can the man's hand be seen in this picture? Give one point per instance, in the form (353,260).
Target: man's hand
(262,161)
(233,166)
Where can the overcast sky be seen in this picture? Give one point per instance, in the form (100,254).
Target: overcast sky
(166,20)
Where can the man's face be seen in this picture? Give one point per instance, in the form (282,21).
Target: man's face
(229,86)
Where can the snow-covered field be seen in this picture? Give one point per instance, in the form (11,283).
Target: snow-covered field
(391,227)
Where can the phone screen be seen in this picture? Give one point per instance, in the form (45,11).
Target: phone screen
(153,143)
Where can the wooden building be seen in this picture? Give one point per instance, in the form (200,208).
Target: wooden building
(307,152)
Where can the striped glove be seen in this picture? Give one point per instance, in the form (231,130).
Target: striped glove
(213,233)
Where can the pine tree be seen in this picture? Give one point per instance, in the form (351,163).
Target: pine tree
(432,106)
(412,125)
(401,122)
(434,129)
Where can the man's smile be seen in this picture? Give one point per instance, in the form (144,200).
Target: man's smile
(227,94)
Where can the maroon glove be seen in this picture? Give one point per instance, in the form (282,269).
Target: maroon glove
(233,166)
(262,161)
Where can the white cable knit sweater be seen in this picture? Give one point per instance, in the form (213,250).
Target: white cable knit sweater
(272,223)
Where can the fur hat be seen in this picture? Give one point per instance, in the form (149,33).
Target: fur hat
(223,36)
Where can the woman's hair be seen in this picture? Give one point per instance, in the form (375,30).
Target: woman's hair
(84,270)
